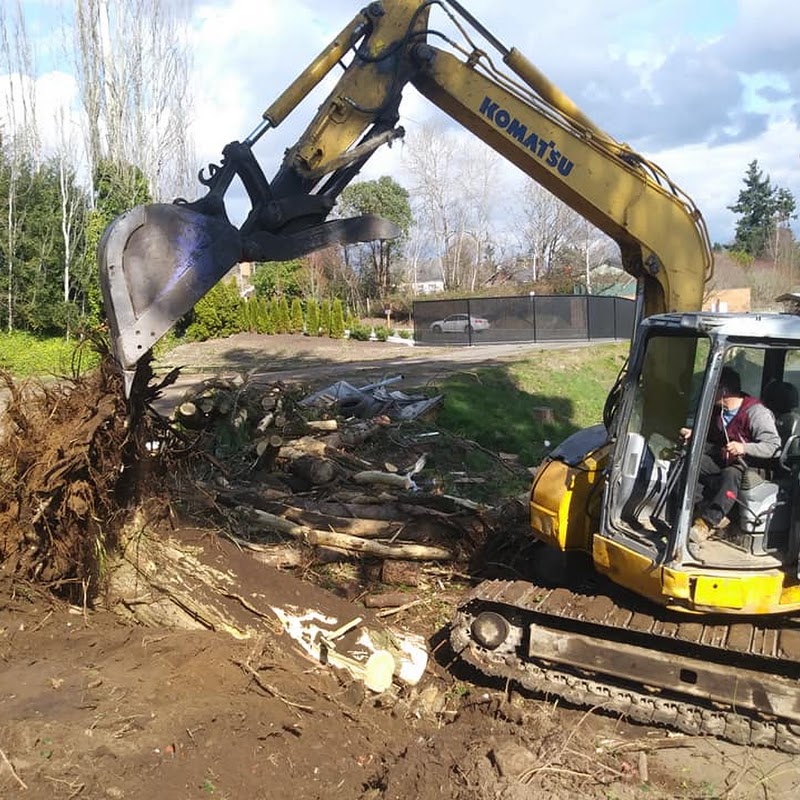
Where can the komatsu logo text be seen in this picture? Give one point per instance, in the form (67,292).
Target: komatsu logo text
(542,148)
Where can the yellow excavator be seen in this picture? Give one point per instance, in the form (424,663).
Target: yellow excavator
(701,639)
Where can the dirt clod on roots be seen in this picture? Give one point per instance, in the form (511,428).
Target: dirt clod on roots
(68,469)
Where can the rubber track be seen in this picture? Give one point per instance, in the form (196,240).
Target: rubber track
(582,690)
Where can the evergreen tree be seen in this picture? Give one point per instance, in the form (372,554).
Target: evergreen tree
(325,318)
(32,251)
(275,315)
(297,321)
(758,205)
(284,317)
(337,320)
(264,323)
(312,317)
(248,314)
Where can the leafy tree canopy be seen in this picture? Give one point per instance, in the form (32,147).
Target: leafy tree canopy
(388,199)
(384,197)
(283,278)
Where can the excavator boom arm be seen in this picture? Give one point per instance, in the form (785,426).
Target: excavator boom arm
(157,261)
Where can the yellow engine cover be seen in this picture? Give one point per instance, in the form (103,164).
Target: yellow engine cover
(565,502)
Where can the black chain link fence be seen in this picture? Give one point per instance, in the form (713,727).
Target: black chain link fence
(533,318)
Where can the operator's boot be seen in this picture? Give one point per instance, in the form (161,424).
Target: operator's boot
(701,531)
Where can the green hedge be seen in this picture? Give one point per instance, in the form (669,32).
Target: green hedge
(222,313)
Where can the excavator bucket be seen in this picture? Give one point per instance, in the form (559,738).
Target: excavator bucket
(156,261)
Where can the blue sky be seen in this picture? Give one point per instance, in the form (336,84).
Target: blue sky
(701,87)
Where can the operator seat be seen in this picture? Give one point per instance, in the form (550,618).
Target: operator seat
(781,398)
(765,504)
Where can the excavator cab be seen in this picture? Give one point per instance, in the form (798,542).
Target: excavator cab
(652,480)
(717,650)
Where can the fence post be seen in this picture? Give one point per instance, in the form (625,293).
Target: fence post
(588,319)
(469,324)
(616,311)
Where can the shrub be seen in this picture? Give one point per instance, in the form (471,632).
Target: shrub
(312,317)
(360,332)
(217,314)
(337,320)
(382,333)
(297,321)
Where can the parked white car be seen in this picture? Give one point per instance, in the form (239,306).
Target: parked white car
(459,323)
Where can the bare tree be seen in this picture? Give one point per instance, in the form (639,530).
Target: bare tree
(66,157)
(593,248)
(456,190)
(133,64)
(21,140)
(433,162)
(71,199)
(546,226)
(482,189)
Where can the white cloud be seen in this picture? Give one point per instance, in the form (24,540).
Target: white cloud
(56,95)
(713,177)
(52,98)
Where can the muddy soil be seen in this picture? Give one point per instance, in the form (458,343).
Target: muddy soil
(93,707)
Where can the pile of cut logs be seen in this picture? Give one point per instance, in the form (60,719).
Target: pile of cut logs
(293,485)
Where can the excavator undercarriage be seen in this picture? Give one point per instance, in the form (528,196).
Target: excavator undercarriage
(698,675)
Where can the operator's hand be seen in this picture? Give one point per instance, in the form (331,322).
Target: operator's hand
(735,449)
(685,434)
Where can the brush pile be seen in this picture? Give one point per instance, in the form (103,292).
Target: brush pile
(292,484)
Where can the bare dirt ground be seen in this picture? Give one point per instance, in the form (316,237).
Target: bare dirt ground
(313,361)
(94,707)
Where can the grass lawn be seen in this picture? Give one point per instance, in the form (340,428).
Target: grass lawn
(25,355)
(507,408)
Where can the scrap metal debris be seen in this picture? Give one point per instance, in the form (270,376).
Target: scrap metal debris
(372,400)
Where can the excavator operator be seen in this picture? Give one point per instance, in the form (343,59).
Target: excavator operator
(742,435)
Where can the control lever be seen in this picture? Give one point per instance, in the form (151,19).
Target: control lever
(756,518)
